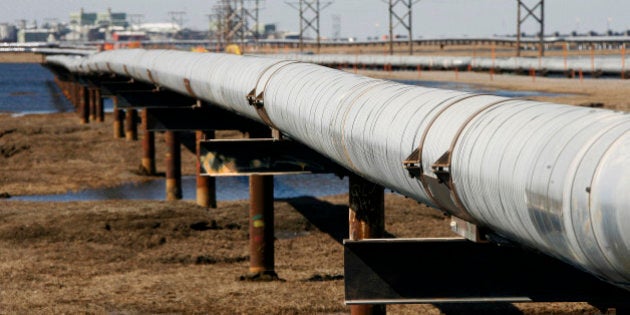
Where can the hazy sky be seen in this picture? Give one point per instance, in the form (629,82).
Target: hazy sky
(360,18)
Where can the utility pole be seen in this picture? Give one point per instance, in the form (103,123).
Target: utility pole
(539,6)
(136,19)
(336,27)
(309,11)
(233,20)
(177,17)
(251,14)
(403,18)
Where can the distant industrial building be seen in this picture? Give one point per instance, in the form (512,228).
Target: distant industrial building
(158,31)
(8,33)
(89,26)
(36,35)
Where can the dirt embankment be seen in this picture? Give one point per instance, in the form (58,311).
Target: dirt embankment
(21,58)
(129,257)
(607,93)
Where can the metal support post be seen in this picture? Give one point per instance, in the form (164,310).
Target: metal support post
(367,220)
(84,102)
(74,94)
(131,125)
(148,146)
(206,185)
(119,118)
(92,104)
(173,166)
(100,110)
(261,226)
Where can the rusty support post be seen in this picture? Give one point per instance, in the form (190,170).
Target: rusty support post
(173,166)
(100,110)
(74,94)
(261,225)
(366,220)
(119,118)
(206,185)
(131,124)
(84,102)
(92,103)
(148,146)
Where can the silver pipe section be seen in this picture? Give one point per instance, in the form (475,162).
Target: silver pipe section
(604,64)
(551,177)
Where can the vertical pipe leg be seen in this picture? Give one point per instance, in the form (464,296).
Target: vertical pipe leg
(131,125)
(92,104)
(173,166)
(84,102)
(261,227)
(148,146)
(119,118)
(206,185)
(100,110)
(367,220)
(74,94)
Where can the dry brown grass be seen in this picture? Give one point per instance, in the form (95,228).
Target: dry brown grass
(53,153)
(21,58)
(129,257)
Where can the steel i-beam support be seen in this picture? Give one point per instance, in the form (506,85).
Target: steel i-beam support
(131,125)
(148,146)
(539,17)
(206,185)
(366,220)
(173,166)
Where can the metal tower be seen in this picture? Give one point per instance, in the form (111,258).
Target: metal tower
(336,26)
(403,18)
(539,6)
(236,20)
(309,18)
(177,17)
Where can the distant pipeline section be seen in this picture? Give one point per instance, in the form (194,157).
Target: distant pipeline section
(551,177)
(596,66)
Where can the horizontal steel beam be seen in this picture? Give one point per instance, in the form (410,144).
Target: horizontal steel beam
(262,157)
(153,99)
(399,271)
(204,117)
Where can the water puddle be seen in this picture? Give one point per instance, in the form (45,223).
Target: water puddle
(228,188)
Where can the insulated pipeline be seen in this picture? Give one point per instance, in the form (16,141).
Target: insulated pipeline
(604,64)
(552,177)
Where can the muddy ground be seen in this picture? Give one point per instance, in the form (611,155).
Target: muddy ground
(137,257)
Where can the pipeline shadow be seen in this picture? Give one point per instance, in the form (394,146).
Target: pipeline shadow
(329,218)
